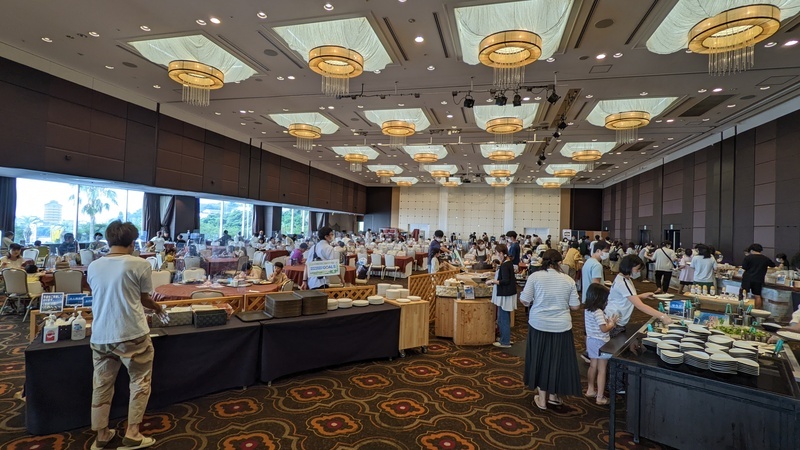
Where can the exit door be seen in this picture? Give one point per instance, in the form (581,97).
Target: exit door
(644,237)
(673,236)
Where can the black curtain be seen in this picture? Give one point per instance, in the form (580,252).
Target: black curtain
(8,204)
(168,218)
(260,218)
(152,214)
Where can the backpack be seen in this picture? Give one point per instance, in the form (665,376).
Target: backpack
(614,255)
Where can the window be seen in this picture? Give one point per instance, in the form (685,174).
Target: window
(294,221)
(97,206)
(210,218)
(238,218)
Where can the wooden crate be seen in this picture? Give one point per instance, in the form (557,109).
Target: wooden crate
(444,324)
(474,322)
(414,324)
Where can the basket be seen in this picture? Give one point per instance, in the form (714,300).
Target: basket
(210,317)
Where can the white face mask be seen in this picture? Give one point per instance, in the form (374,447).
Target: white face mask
(604,256)
(636,275)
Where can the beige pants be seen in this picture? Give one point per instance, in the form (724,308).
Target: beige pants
(137,356)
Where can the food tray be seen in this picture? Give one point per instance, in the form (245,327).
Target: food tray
(281,305)
(313,302)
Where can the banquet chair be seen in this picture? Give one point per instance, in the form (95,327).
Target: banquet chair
(288,285)
(282,259)
(17,289)
(391,266)
(377,263)
(258,258)
(207,294)
(32,254)
(87,256)
(153,262)
(68,281)
(194,274)
(160,277)
(250,251)
(241,266)
(191,262)
(269,268)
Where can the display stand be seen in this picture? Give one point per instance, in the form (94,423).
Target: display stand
(474,322)
(414,325)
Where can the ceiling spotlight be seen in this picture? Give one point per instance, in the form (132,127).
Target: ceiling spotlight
(144,28)
(280,78)
(328,7)
(517,100)
(291,77)
(729,106)
(155,86)
(702,91)
(601,56)
(562,125)
(553,98)
(539,163)
(525,99)
(670,120)
(717,89)
(617,55)
(110,67)
(449,116)
(501,100)
(200,21)
(589,96)
(419,39)
(431,68)
(770,44)
(444,102)
(764,88)
(537,98)
(47,39)
(214,20)
(469,102)
(94,34)
(642,93)
(550,59)
(790,43)
(261,15)
(376,72)
(557,134)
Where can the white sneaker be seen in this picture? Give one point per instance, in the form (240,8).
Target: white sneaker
(498,344)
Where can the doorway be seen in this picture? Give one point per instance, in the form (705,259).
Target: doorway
(644,237)
(673,236)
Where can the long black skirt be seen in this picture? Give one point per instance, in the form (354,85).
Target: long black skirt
(551,363)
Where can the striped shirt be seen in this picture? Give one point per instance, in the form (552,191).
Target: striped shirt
(550,294)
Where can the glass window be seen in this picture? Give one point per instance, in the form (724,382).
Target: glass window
(97,207)
(134,213)
(210,218)
(294,221)
(45,210)
(238,218)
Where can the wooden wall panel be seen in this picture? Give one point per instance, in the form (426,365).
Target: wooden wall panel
(337,191)
(270,186)
(294,182)
(319,192)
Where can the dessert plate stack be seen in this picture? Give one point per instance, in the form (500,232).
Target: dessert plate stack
(689,346)
(651,341)
(360,303)
(723,341)
(333,304)
(669,346)
(697,341)
(345,303)
(747,366)
(375,299)
(723,363)
(403,300)
(696,359)
(671,357)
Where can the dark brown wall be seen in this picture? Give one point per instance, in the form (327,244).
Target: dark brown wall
(379,208)
(52,125)
(731,194)
(586,209)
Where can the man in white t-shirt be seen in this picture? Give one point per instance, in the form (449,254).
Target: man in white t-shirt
(121,287)
(321,251)
(158,241)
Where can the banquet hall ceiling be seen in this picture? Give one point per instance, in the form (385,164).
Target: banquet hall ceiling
(421,75)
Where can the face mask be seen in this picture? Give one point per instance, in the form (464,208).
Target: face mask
(604,256)
(636,275)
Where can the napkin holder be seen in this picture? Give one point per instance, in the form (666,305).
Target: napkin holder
(209,317)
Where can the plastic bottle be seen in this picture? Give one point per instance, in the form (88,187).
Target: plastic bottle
(712,291)
(50,332)
(79,327)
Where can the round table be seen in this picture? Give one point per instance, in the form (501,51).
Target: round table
(217,265)
(295,273)
(269,255)
(184,291)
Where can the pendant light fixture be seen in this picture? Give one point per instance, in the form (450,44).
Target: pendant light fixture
(586,152)
(305,127)
(404,181)
(385,171)
(627,116)
(550,183)
(356,155)
(426,154)
(337,65)
(508,52)
(500,170)
(440,172)
(451,182)
(564,170)
(626,124)
(197,80)
(504,121)
(502,153)
(399,124)
(498,182)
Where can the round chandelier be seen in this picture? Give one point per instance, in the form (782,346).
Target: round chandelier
(551,185)
(502,155)
(337,65)
(356,160)
(398,131)
(440,173)
(197,79)
(405,183)
(729,37)
(508,52)
(589,155)
(626,123)
(500,173)
(498,184)
(425,158)
(503,128)
(305,134)
(451,184)
(565,173)
(384,173)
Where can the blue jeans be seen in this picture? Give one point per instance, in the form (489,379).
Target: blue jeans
(504,324)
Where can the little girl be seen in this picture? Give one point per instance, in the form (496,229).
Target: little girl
(687,272)
(597,328)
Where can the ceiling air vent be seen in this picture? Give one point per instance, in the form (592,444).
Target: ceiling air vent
(705,105)
(603,166)
(638,146)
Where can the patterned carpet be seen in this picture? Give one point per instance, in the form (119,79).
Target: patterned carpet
(451,398)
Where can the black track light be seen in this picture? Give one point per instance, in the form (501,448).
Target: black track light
(542,157)
(562,125)
(469,102)
(517,100)
(500,100)
(553,98)
(557,134)
(539,162)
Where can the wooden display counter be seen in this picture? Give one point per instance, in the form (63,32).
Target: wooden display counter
(474,322)
(414,325)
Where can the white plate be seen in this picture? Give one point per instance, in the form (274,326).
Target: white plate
(760,313)
(608,283)
(791,335)
(360,303)
(722,340)
(696,354)
(663,296)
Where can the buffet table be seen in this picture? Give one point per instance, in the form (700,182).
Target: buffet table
(189,362)
(295,273)
(183,291)
(666,403)
(303,343)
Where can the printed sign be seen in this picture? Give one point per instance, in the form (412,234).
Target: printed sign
(87,301)
(676,307)
(469,292)
(51,302)
(323,268)
(74,300)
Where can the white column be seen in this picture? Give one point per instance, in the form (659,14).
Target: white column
(442,225)
(508,211)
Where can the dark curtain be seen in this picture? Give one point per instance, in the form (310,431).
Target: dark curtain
(259,218)
(152,214)
(8,204)
(317,220)
(168,218)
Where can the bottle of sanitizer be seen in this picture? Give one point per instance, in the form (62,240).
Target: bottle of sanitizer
(50,333)
(79,327)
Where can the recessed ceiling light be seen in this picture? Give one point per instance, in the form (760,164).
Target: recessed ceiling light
(617,55)
(688,51)
(322,107)
(570,123)
(642,93)
(489,100)
(291,77)
(706,119)
(670,120)
(330,107)
(790,43)
(453,126)
(525,99)
(285,131)
(263,132)
(285,109)
(431,68)
(770,44)
(214,20)
(200,21)
(47,39)
(217,113)
(328,7)
(242,123)
(702,90)
(250,111)
(241,111)
(360,106)
(444,102)
(401,104)
(658,121)
(537,98)
(669,138)
(618,153)
(594,140)
(261,15)
(280,78)
(110,67)
(550,59)
(640,139)
(717,89)
(449,116)
(601,56)
(764,88)
(655,146)
(157,86)
(644,153)
(145,28)
(732,105)
(589,96)
(376,71)
(94,34)
(419,39)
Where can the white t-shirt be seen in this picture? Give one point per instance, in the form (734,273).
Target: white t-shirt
(324,252)
(703,269)
(618,302)
(593,320)
(550,295)
(796,317)
(117,284)
(663,259)
(159,243)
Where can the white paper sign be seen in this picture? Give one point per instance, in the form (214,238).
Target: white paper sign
(51,302)
(323,268)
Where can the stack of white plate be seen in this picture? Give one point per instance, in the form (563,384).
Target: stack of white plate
(360,302)
(699,330)
(672,337)
(403,300)
(663,345)
(345,303)
(717,332)
(654,334)
(333,304)
(724,341)
(672,357)
(751,354)
(396,286)
(696,359)
(382,287)
(403,293)
(747,366)
(722,363)
(677,326)
(699,342)
(760,313)
(393,294)
(747,345)
(699,336)
(414,298)
(677,331)
(375,300)
(688,346)
(651,342)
